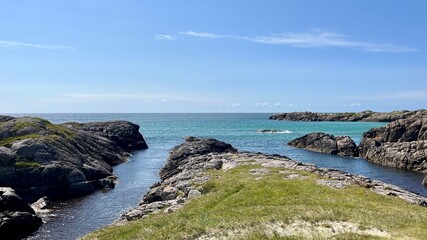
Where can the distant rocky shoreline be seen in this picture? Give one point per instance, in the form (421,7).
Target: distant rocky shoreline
(365,116)
(60,161)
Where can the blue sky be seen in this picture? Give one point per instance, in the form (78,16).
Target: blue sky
(216,56)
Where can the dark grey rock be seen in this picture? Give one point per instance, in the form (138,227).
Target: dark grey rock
(17,218)
(38,158)
(125,134)
(402,130)
(401,144)
(326,143)
(5,118)
(6,156)
(185,168)
(192,146)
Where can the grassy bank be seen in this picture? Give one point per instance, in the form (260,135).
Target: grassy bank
(239,205)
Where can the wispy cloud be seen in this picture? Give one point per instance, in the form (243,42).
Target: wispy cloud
(202,34)
(233,105)
(355,104)
(311,39)
(315,39)
(261,105)
(12,44)
(277,104)
(164,37)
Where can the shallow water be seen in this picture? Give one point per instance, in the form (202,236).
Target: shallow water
(77,217)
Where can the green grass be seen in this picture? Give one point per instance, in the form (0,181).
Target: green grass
(51,132)
(26,164)
(7,142)
(61,130)
(235,200)
(22,125)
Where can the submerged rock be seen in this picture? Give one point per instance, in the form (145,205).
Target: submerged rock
(326,143)
(38,158)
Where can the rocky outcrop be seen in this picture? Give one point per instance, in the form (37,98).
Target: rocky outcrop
(181,186)
(185,168)
(125,134)
(401,144)
(192,146)
(38,158)
(365,116)
(327,143)
(403,130)
(17,218)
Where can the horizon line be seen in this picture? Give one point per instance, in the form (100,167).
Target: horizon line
(21,113)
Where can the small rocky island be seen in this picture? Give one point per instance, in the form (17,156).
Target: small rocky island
(327,143)
(60,161)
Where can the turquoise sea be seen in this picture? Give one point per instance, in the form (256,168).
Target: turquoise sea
(76,217)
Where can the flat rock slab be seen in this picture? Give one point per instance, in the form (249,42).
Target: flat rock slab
(295,176)
(331,183)
(258,171)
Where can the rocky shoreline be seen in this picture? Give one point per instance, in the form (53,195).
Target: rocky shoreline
(365,116)
(193,159)
(402,143)
(59,161)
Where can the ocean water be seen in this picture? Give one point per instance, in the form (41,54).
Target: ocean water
(73,218)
